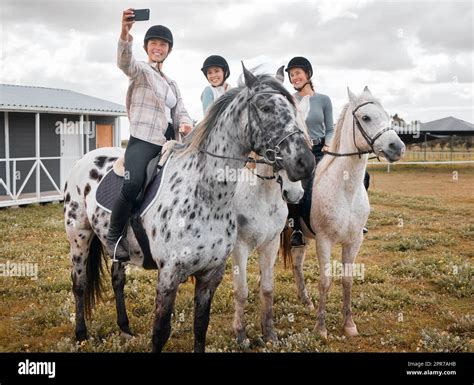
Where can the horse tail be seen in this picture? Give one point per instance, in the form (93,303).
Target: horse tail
(285,247)
(94,273)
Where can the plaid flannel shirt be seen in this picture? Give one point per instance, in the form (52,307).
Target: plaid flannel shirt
(146,95)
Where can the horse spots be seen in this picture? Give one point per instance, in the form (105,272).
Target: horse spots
(192,215)
(87,189)
(99,161)
(161,264)
(106,224)
(174,175)
(68,222)
(219,242)
(242,220)
(200,247)
(153,232)
(164,214)
(72,215)
(219,196)
(68,198)
(168,236)
(78,190)
(94,174)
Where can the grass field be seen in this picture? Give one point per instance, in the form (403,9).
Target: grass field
(417,293)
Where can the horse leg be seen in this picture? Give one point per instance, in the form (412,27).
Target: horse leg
(298,255)
(78,277)
(349,253)
(80,249)
(205,288)
(267,260)
(241,291)
(166,291)
(323,249)
(118,283)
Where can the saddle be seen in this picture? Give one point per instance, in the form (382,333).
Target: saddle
(110,185)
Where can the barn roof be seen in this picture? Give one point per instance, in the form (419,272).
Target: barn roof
(42,99)
(447,125)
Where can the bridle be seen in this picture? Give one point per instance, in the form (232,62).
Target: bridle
(272,153)
(370,140)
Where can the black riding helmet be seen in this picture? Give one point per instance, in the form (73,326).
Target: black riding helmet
(159,32)
(216,61)
(300,62)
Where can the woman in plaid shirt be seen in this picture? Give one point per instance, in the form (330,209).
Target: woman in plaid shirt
(156,113)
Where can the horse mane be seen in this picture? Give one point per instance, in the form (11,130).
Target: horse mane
(335,143)
(336,139)
(205,127)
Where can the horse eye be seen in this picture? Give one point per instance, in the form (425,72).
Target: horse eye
(366,118)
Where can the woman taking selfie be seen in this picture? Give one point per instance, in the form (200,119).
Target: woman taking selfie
(156,114)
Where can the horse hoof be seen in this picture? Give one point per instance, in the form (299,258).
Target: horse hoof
(126,336)
(241,337)
(351,331)
(126,332)
(323,334)
(81,336)
(245,344)
(270,337)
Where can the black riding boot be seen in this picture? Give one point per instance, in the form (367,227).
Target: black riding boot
(365,230)
(118,222)
(294,215)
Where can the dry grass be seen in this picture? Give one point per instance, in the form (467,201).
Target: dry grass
(416,295)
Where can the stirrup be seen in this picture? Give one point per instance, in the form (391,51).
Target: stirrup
(114,259)
(293,235)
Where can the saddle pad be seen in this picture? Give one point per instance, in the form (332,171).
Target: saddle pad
(111,184)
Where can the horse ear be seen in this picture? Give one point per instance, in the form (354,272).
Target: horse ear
(280,75)
(352,97)
(366,90)
(250,78)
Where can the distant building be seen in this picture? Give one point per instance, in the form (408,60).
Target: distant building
(43,131)
(450,126)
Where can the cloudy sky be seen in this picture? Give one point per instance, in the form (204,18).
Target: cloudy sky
(417,57)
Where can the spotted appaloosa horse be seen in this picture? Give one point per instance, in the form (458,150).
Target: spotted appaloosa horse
(262,210)
(340,204)
(192,226)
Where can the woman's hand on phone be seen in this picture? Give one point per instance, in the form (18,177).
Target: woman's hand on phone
(127,22)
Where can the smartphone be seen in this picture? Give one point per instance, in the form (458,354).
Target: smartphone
(141,15)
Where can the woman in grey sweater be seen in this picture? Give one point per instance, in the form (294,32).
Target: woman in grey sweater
(319,120)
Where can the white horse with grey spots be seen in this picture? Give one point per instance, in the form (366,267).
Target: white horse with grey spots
(191,227)
(340,204)
(262,210)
